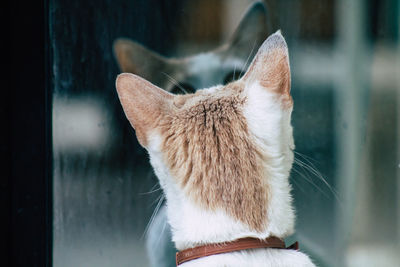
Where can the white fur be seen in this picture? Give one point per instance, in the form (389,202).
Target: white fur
(270,124)
(191,225)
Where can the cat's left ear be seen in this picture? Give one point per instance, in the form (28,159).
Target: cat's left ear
(270,67)
(253,29)
(144,104)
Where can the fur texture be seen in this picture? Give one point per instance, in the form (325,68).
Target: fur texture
(209,152)
(223,157)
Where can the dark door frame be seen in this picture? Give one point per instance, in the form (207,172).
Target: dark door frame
(26,191)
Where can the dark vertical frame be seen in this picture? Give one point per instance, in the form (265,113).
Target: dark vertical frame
(27,187)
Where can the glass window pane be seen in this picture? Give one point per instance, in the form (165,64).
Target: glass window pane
(109,208)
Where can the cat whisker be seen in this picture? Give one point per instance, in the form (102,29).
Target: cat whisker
(175,82)
(152,190)
(162,232)
(157,199)
(298,185)
(157,208)
(309,166)
(310,181)
(308,158)
(154,186)
(248,57)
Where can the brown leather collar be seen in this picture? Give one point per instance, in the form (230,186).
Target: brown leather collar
(239,244)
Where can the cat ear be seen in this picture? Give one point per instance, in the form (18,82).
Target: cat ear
(144,103)
(251,32)
(137,59)
(270,67)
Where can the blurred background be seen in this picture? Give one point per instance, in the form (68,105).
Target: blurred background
(345,60)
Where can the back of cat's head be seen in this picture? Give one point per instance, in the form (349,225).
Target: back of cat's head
(221,148)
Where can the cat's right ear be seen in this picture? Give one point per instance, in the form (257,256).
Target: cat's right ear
(270,68)
(137,59)
(253,29)
(144,104)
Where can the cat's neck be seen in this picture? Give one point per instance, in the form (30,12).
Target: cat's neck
(193,226)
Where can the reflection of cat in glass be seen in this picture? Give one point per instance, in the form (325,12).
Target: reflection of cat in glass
(185,75)
(199,71)
(223,156)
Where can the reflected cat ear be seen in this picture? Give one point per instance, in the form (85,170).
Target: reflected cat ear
(144,103)
(270,67)
(253,29)
(137,59)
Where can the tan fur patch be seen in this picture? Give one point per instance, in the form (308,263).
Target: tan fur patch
(210,152)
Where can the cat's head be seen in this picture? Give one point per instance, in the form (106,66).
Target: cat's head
(220,66)
(228,147)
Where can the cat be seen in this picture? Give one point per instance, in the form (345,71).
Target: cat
(185,75)
(223,156)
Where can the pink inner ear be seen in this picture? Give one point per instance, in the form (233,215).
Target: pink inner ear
(144,103)
(270,66)
(275,71)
